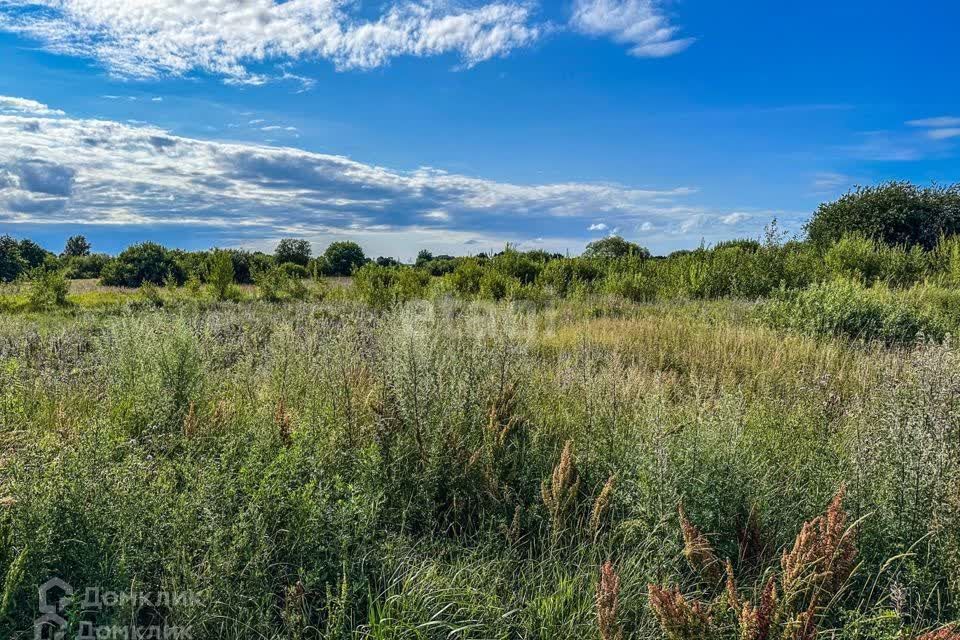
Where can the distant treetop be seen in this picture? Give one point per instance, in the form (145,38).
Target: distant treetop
(613,247)
(896,213)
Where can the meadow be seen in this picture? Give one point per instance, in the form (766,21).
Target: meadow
(749,441)
(591,467)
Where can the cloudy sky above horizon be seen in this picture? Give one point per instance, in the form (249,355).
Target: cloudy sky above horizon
(461,125)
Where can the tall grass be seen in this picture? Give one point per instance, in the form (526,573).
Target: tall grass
(459,469)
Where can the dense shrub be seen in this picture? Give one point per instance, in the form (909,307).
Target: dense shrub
(382,287)
(847,308)
(34,255)
(292,251)
(86,266)
(220,275)
(343,258)
(613,247)
(896,213)
(275,284)
(12,264)
(48,289)
(465,279)
(147,261)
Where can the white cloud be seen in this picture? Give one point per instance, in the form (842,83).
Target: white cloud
(600,226)
(642,25)
(97,172)
(942,121)
(829,182)
(940,128)
(944,134)
(151,38)
(735,218)
(9,104)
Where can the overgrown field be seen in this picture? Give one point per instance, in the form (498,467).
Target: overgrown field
(457,469)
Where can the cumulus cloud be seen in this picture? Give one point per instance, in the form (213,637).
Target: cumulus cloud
(9,104)
(641,25)
(151,38)
(63,170)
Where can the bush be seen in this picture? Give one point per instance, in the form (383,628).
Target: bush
(295,270)
(516,265)
(382,287)
(220,275)
(847,308)
(88,266)
(896,213)
(465,279)
(48,290)
(147,261)
(275,283)
(495,285)
(565,275)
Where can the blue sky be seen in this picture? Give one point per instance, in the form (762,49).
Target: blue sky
(460,126)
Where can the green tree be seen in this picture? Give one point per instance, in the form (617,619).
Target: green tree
(147,261)
(34,255)
(893,213)
(12,263)
(220,274)
(613,247)
(294,251)
(77,246)
(342,258)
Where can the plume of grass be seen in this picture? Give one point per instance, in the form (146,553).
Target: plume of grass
(680,619)
(698,551)
(283,422)
(560,492)
(602,505)
(608,597)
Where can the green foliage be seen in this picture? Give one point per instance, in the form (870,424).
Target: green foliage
(511,263)
(12,264)
(220,275)
(343,258)
(292,251)
(895,213)
(613,247)
(382,287)
(275,284)
(147,261)
(86,267)
(76,247)
(33,254)
(846,308)
(465,279)
(48,290)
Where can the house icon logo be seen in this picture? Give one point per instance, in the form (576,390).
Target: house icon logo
(55,595)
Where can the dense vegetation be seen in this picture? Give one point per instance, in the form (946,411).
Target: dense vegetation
(753,440)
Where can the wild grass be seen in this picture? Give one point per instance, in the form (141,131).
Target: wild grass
(448,469)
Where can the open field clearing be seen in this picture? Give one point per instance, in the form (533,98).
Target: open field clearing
(454,469)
